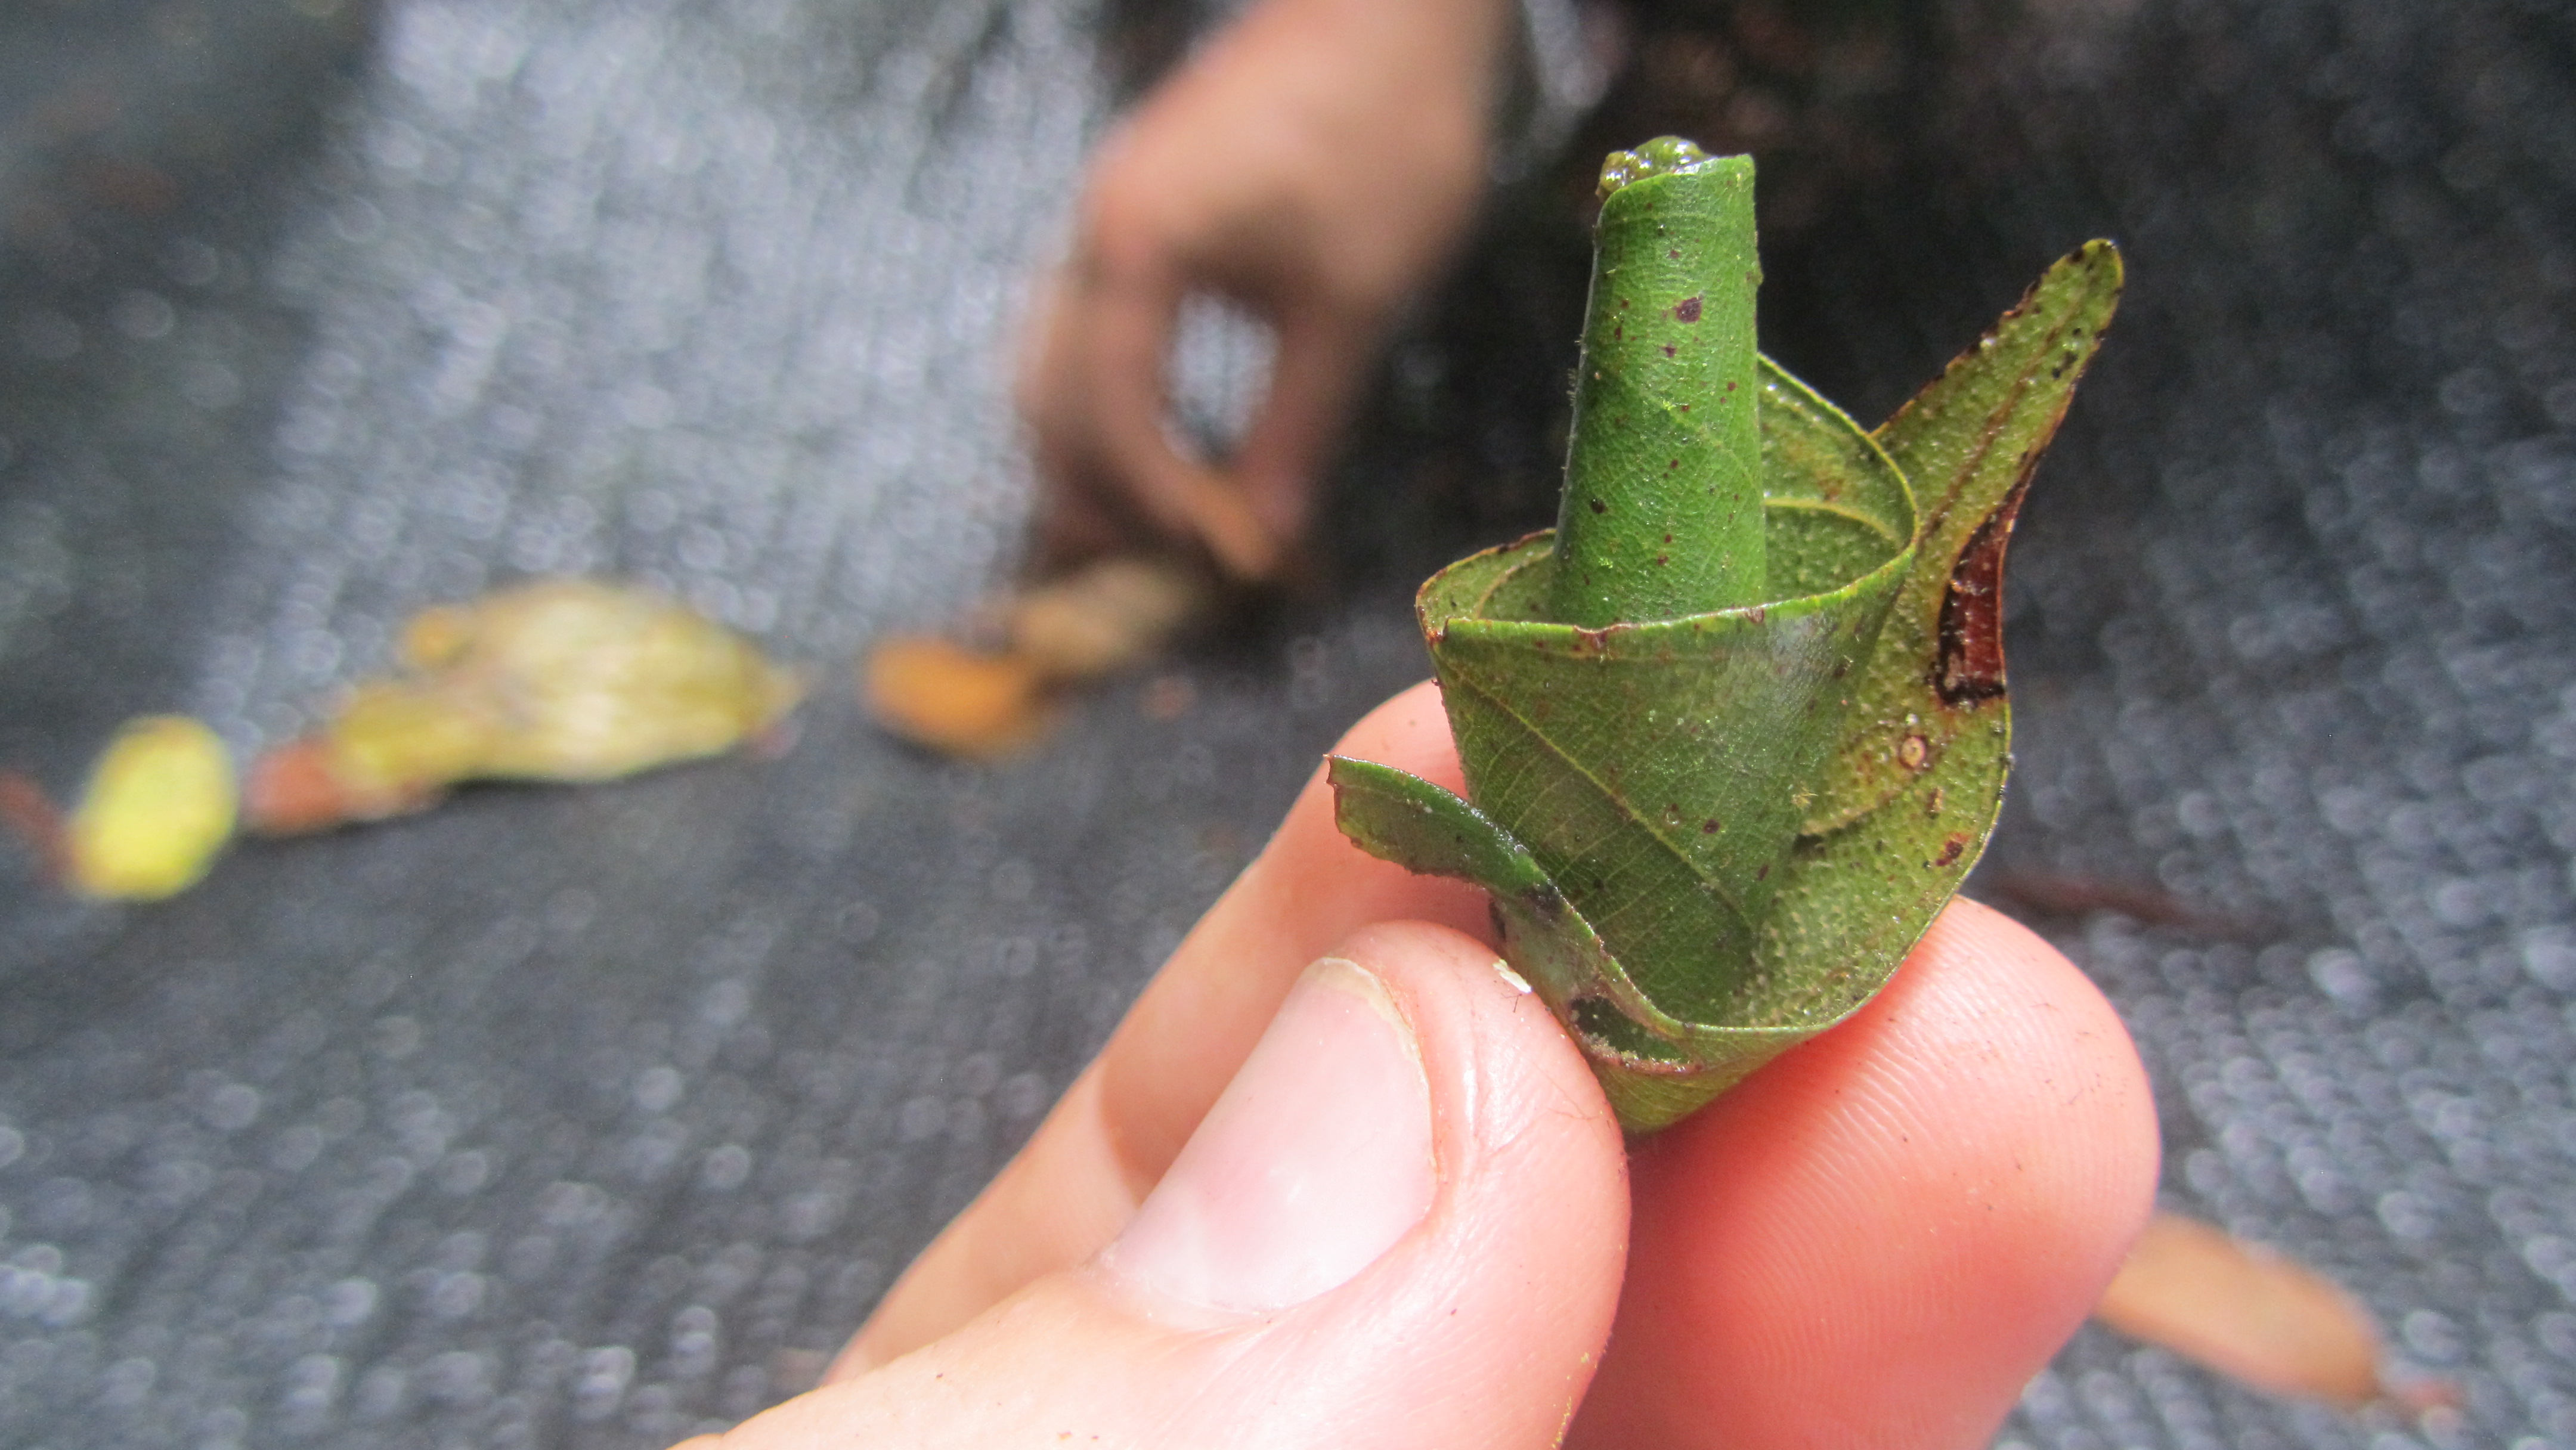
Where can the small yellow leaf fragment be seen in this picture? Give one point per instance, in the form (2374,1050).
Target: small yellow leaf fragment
(2245,1312)
(159,805)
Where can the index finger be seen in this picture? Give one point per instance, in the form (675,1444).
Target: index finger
(1095,398)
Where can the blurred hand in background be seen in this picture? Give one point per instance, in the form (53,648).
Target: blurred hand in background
(1315,163)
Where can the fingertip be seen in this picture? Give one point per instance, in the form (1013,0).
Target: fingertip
(1879,1237)
(1410,731)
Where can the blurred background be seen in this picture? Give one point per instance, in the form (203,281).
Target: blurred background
(597,1117)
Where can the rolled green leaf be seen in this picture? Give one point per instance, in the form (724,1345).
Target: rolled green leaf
(1713,822)
(1662,514)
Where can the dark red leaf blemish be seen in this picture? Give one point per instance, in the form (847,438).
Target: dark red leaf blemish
(1970,667)
(1598,506)
(1687,310)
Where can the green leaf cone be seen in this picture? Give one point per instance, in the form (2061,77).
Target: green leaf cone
(1714,824)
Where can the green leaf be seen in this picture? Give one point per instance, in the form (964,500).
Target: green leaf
(1969,444)
(1662,514)
(1709,834)
(1398,816)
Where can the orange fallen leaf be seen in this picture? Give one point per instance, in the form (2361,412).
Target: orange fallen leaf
(2246,1312)
(955,699)
(1109,616)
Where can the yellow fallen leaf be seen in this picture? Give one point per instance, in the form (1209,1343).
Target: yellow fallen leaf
(159,805)
(565,680)
(2245,1312)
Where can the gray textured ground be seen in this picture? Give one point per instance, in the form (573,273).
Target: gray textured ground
(590,1118)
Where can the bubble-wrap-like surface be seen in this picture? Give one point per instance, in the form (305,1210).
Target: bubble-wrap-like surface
(595,1117)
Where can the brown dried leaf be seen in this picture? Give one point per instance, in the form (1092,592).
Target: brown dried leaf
(29,814)
(956,700)
(1112,615)
(2246,1312)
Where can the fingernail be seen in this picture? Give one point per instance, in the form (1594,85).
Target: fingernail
(1314,1162)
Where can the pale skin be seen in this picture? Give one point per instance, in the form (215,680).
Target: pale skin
(1315,162)
(1875,1241)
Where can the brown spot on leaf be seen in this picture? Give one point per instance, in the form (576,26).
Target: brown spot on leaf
(1913,751)
(1687,310)
(1598,506)
(1969,669)
(1951,850)
(1668,349)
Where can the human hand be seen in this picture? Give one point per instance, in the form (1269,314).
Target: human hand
(1314,162)
(1876,1240)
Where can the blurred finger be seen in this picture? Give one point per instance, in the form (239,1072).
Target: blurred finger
(1097,402)
(1324,354)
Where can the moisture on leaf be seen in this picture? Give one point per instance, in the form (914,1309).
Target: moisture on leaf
(1734,730)
(563,680)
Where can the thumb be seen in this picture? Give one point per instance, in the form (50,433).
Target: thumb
(1402,1224)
